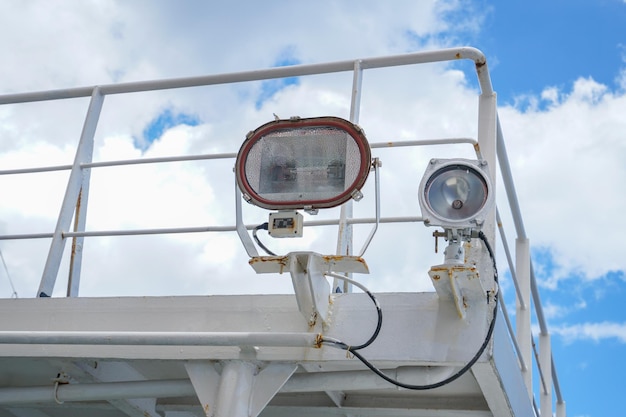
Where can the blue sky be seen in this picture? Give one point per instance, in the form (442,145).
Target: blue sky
(536,44)
(559,68)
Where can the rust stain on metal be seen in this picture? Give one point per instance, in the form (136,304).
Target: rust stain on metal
(436,277)
(281,260)
(333,258)
(451,269)
(458,55)
(339,258)
(318,341)
(477,148)
(206,409)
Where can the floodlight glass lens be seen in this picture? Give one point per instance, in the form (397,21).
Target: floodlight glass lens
(456,192)
(308,163)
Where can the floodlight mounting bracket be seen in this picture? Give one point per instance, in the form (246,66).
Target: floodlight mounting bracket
(307,271)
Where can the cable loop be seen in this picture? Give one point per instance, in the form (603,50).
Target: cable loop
(56,393)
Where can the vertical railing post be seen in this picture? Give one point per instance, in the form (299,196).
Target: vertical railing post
(80,220)
(522,316)
(487,144)
(344,238)
(84,154)
(545,362)
(487,135)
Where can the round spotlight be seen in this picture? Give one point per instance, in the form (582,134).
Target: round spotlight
(455,193)
(303,163)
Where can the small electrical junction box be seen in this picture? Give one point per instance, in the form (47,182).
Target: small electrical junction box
(285,224)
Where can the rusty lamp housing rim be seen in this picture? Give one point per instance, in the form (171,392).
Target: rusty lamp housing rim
(353,130)
(437,167)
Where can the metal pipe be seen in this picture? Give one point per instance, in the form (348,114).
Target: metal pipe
(557,385)
(544,385)
(545,359)
(84,153)
(451,54)
(376,164)
(235,390)
(184,158)
(509,259)
(509,186)
(507,319)
(298,383)
(278,339)
(172,230)
(523,315)
(97,391)
(201,229)
(181,158)
(421,142)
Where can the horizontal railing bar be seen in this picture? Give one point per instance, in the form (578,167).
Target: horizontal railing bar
(424,142)
(159,160)
(201,229)
(281,339)
(35,170)
(451,54)
(183,158)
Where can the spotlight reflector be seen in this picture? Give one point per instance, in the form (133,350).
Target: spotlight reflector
(455,193)
(303,163)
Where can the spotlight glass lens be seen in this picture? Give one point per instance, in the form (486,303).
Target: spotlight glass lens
(456,192)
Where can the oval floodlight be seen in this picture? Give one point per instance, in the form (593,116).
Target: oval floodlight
(455,193)
(303,163)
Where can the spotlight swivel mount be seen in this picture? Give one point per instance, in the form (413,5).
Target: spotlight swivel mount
(457,195)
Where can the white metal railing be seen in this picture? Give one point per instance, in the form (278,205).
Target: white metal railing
(490,145)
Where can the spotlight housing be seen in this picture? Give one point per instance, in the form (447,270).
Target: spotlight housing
(303,163)
(456,194)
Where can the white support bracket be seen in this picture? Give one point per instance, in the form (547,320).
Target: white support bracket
(242,389)
(307,271)
(459,283)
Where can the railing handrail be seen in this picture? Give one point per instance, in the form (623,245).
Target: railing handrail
(441,55)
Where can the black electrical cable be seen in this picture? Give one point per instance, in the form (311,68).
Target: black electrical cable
(341,345)
(263,226)
(354,349)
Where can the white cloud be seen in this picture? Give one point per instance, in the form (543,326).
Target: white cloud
(596,332)
(555,311)
(567,162)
